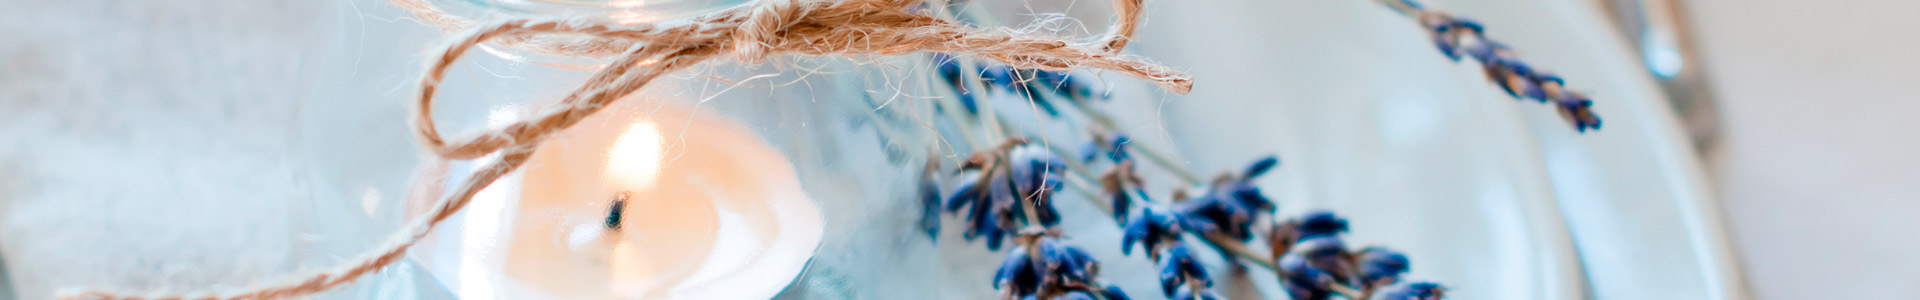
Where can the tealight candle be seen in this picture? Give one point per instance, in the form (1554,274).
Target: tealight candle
(645,200)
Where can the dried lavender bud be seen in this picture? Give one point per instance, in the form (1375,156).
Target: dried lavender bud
(1231,204)
(1066,265)
(1044,263)
(1382,266)
(1576,107)
(929,191)
(1017,82)
(1018,274)
(1414,291)
(995,220)
(996,188)
(1503,67)
(1150,229)
(1321,223)
(1186,293)
(950,71)
(1304,281)
(1178,267)
(1260,167)
(1218,213)
(1073,295)
(1121,199)
(1076,88)
(1113,144)
(1121,183)
(968,191)
(1113,293)
(1329,253)
(1314,224)
(1036,174)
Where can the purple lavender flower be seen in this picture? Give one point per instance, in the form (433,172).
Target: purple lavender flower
(1303,281)
(1067,265)
(1314,224)
(1231,203)
(929,194)
(1329,253)
(1019,83)
(1381,266)
(1110,293)
(1576,107)
(1185,292)
(949,69)
(1036,175)
(1178,267)
(1159,234)
(1022,83)
(1502,66)
(990,201)
(1075,295)
(1321,223)
(1151,229)
(1043,265)
(1002,179)
(1260,167)
(1121,183)
(1114,293)
(1113,144)
(1018,275)
(1075,87)
(1414,291)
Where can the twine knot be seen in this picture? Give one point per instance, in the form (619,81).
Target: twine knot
(764,27)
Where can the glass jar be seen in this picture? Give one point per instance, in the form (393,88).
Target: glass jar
(1494,198)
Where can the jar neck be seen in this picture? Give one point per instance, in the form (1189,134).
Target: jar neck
(622,11)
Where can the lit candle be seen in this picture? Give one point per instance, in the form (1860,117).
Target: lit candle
(644,200)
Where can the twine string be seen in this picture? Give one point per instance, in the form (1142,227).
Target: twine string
(748,33)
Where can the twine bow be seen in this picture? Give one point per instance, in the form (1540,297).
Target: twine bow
(643,52)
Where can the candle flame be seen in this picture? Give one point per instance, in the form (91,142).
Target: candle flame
(634,160)
(631,12)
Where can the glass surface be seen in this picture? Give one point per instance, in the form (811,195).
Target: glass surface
(1421,153)
(1381,114)
(1647,222)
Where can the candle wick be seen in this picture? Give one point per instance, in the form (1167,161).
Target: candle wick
(613,214)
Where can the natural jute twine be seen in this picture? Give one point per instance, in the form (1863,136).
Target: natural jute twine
(748,33)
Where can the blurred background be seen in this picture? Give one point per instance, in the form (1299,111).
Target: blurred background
(1813,159)
(1796,109)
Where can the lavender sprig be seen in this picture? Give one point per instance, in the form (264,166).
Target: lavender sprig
(1007,187)
(1020,83)
(1229,206)
(1414,291)
(1181,275)
(1044,267)
(1313,265)
(1501,64)
(1012,185)
(1122,182)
